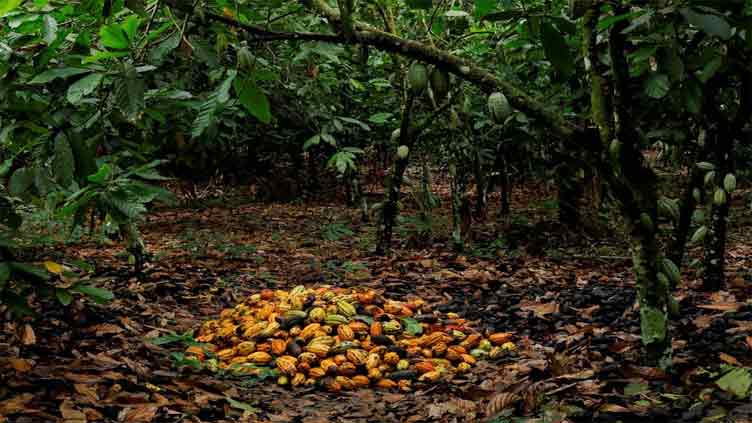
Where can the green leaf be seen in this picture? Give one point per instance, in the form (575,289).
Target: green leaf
(241,405)
(8,5)
(83,87)
(420,4)
(130,90)
(380,118)
(712,24)
(52,74)
(99,295)
(710,69)
(556,49)
(63,163)
(482,7)
(253,99)
(30,270)
(172,338)
(653,324)
(692,96)
(163,49)
(412,326)
(130,27)
(5,167)
(63,296)
(610,21)
(657,85)
(101,176)
(21,181)
(634,389)
(49,29)
(738,382)
(114,37)
(4,275)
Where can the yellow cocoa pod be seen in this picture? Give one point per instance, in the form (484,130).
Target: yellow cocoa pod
(346,309)
(287,364)
(345,382)
(260,357)
(226,354)
(307,357)
(469,359)
(403,365)
(298,379)
(373,360)
(471,341)
(424,367)
(432,376)
(463,367)
(247,347)
(321,350)
(391,358)
(316,373)
(329,366)
(357,357)
(345,333)
(374,374)
(308,331)
(317,314)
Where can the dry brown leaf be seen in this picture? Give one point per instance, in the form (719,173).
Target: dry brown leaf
(70,414)
(741,326)
(541,309)
(729,359)
(749,341)
(16,404)
(722,306)
(27,336)
(143,414)
(21,365)
(703,321)
(106,329)
(500,402)
(88,391)
(613,408)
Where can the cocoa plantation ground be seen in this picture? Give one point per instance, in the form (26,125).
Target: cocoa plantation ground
(568,301)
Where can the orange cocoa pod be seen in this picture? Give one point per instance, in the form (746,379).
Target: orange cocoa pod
(345,333)
(386,384)
(374,374)
(467,358)
(357,357)
(316,373)
(377,329)
(424,367)
(361,381)
(391,358)
(298,379)
(278,346)
(358,327)
(471,341)
(260,357)
(347,369)
(405,385)
(345,382)
(287,364)
(339,359)
(500,338)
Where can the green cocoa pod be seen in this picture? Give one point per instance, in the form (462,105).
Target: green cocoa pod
(417,77)
(705,166)
(396,135)
(719,198)
(245,59)
(403,151)
(729,182)
(709,178)
(615,149)
(498,107)
(439,84)
(670,270)
(699,234)
(697,195)
(647,222)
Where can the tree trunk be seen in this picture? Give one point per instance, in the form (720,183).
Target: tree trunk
(481,185)
(687,208)
(394,182)
(503,177)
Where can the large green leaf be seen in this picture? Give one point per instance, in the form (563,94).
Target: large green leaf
(738,382)
(163,49)
(8,5)
(30,270)
(21,181)
(102,175)
(83,87)
(556,49)
(114,37)
(130,90)
(657,85)
(99,295)
(130,27)
(49,30)
(712,24)
(63,163)
(653,324)
(52,74)
(253,99)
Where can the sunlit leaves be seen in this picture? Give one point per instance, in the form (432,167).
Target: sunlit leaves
(8,5)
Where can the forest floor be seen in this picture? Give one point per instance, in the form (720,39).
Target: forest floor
(568,299)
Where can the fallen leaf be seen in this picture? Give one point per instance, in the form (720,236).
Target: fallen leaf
(21,365)
(722,306)
(143,414)
(53,267)
(106,329)
(16,404)
(70,414)
(729,359)
(541,309)
(27,336)
(749,341)
(613,408)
